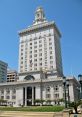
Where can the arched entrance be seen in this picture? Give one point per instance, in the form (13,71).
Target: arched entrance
(28,92)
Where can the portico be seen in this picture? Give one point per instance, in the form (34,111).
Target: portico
(28,95)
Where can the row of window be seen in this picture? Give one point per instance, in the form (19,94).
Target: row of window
(40,50)
(39,37)
(8,97)
(56,96)
(8,91)
(56,88)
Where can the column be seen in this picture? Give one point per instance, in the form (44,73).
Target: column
(25,96)
(4,94)
(32,95)
(52,94)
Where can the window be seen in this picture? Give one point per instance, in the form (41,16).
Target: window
(49,34)
(30,51)
(50,48)
(50,43)
(13,97)
(35,38)
(35,50)
(7,97)
(35,68)
(56,88)
(45,62)
(49,39)
(48,89)
(14,91)
(48,95)
(40,59)
(41,64)
(35,59)
(40,54)
(21,49)
(56,95)
(21,62)
(21,57)
(40,41)
(2,97)
(21,66)
(35,42)
(35,55)
(21,53)
(39,37)
(30,43)
(51,62)
(30,47)
(50,52)
(7,91)
(51,57)
(40,45)
(22,45)
(30,56)
(2,91)
(35,64)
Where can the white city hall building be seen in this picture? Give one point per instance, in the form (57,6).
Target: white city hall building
(40,67)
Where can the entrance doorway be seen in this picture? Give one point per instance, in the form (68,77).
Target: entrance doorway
(29,96)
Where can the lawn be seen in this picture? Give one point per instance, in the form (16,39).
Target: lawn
(34,108)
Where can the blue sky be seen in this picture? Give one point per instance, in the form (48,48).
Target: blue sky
(19,14)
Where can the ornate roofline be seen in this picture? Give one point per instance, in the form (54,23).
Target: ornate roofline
(39,26)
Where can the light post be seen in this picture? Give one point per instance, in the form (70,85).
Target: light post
(64,83)
(78,92)
(67,83)
(41,77)
(80,81)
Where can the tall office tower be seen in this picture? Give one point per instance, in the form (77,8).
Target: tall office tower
(3,71)
(39,46)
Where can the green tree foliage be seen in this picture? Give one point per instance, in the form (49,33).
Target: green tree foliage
(75,105)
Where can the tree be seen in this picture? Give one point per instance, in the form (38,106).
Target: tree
(3,102)
(39,101)
(75,105)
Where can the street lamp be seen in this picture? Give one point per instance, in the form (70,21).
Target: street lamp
(67,83)
(80,81)
(41,77)
(64,83)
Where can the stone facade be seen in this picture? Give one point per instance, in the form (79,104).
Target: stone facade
(39,46)
(40,67)
(27,92)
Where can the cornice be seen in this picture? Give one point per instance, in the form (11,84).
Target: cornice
(39,26)
(30,82)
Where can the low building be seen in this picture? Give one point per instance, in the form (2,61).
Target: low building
(29,90)
(12,75)
(3,71)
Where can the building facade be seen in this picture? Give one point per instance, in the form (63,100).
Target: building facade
(12,76)
(27,92)
(3,71)
(40,67)
(39,46)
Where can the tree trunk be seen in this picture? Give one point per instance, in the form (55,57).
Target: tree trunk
(76,110)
